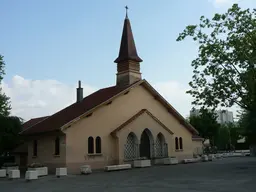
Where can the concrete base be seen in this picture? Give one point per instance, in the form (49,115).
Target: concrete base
(211,157)
(204,158)
(31,175)
(194,160)
(14,174)
(142,163)
(86,169)
(41,171)
(171,161)
(2,173)
(118,167)
(61,172)
(8,169)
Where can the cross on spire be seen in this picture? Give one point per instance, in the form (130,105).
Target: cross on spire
(126,7)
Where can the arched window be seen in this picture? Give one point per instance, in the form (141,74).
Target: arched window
(90,145)
(176,143)
(35,148)
(180,142)
(98,144)
(131,150)
(57,146)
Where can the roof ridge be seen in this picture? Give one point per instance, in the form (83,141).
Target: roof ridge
(46,117)
(75,110)
(137,115)
(67,107)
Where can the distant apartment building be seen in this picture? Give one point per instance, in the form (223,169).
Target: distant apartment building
(223,116)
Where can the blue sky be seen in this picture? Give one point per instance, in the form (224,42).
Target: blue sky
(64,40)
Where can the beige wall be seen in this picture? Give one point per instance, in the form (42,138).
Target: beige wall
(198,147)
(45,151)
(137,127)
(109,117)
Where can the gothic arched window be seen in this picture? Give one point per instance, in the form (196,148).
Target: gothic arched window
(90,145)
(98,144)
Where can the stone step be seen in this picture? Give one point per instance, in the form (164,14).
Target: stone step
(118,167)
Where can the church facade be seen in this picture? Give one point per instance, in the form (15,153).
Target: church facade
(113,125)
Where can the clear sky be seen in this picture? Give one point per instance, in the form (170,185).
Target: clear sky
(49,45)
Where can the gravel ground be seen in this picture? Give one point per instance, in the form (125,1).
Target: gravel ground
(230,174)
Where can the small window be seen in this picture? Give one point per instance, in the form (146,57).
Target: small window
(176,143)
(35,148)
(90,145)
(57,146)
(98,145)
(180,142)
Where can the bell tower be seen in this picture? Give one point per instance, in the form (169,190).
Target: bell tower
(128,61)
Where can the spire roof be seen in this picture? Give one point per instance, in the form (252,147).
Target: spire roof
(127,48)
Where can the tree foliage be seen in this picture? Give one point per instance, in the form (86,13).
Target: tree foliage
(9,133)
(228,136)
(206,124)
(4,100)
(10,126)
(225,70)
(247,123)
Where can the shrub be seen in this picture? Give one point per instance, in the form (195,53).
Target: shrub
(10,165)
(35,165)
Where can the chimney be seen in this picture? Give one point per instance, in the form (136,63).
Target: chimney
(79,92)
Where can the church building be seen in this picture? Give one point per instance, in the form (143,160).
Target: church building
(113,125)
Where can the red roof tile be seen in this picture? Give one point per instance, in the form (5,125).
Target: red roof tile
(32,122)
(197,137)
(57,120)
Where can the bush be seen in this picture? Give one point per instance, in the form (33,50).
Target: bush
(6,159)
(35,165)
(10,165)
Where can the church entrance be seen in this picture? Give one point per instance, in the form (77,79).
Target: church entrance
(146,143)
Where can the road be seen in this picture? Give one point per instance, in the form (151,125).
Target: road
(231,174)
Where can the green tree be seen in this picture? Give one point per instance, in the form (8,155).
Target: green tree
(223,138)
(247,122)
(9,133)
(228,136)
(225,70)
(4,100)
(206,124)
(10,126)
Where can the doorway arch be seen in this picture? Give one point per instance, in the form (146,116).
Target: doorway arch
(160,145)
(146,144)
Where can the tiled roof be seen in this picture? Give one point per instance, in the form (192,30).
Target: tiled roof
(32,122)
(57,120)
(66,115)
(197,137)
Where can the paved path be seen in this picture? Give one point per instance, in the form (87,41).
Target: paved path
(232,174)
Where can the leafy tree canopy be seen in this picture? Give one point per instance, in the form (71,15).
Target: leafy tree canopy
(4,100)
(9,133)
(10,126)
(225,70)
(247,123)
(205,123)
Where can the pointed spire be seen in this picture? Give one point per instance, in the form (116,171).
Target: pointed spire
(127,49)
